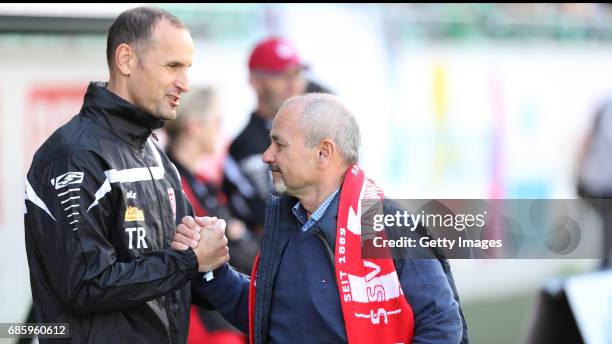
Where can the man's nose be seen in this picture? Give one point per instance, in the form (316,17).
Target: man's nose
(267,156)
(182,82)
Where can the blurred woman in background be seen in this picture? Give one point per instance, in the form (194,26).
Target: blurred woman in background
(192,136)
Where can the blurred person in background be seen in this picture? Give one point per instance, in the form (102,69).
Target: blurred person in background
(194,133)
(595,174)
(276,74)
(103,202)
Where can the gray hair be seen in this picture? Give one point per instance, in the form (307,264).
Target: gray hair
(134,27)
(325,117)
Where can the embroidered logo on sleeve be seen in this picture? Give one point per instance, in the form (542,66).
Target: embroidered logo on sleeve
(67,179)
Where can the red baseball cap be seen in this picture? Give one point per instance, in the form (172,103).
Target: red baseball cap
(274,55)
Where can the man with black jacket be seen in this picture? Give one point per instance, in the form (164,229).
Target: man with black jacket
(103,201)
(275,75)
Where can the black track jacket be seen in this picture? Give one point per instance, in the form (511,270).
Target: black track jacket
(102,205)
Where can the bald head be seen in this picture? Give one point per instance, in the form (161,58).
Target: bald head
(323,116)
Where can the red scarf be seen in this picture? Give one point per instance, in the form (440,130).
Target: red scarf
(373,303)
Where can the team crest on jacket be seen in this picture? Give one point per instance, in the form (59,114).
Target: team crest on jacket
(172,200)
(133,214)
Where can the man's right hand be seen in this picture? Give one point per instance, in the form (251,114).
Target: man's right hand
(206,236)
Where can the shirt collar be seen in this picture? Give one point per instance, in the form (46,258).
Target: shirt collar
(300,213)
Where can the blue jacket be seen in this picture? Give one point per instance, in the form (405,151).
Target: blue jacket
(297,298)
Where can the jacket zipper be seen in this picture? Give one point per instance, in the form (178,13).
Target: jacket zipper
(162,237)
(160,231)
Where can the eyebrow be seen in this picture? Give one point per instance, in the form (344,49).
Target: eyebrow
(276,138)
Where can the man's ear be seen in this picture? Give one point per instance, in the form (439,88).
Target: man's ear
(125,58)
(326,152)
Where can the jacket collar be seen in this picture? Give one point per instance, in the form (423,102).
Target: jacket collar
(326,224)
(121,117)
(329,221)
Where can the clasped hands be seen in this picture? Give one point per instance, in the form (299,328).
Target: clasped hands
(206,236)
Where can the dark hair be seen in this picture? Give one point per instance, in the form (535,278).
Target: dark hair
(135,26)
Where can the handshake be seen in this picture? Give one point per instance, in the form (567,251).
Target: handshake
(206,235)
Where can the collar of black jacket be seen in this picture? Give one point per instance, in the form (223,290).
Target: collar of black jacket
(123,118)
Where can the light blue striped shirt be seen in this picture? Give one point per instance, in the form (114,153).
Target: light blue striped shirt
(300,213)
